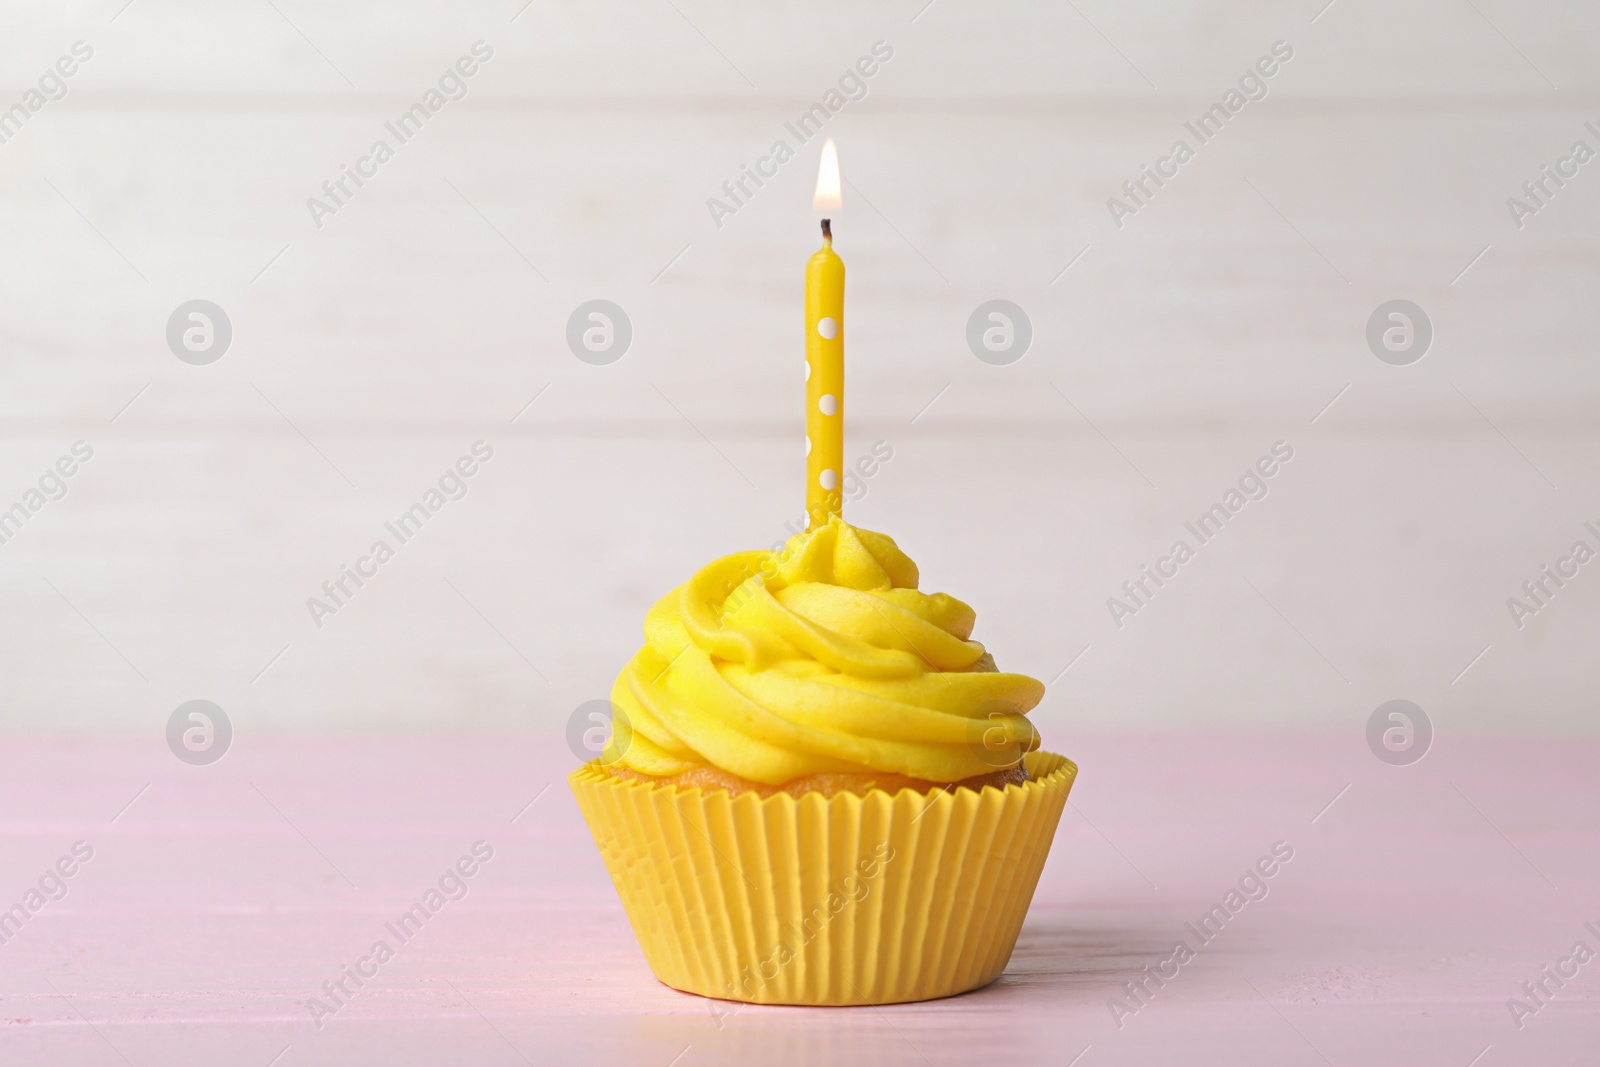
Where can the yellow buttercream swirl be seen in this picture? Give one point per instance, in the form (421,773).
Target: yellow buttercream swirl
(822,656)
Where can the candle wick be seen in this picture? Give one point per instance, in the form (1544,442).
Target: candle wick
(827,229)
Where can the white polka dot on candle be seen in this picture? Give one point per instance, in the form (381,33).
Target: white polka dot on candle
(808,444)
(828,328)
(828,404)
(829,480)
(808,370)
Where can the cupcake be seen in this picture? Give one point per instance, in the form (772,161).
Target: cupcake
(818,789)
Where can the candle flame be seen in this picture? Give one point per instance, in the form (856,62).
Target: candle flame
(829,196)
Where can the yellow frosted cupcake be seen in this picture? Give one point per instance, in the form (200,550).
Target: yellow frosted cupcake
(818,789)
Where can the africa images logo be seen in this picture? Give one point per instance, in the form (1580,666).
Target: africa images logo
(452,85)
(852,86)
(1252,86)
(52,86)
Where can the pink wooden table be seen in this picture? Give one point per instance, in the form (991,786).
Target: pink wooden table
(216,905)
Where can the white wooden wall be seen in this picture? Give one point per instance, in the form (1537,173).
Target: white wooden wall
(369,353)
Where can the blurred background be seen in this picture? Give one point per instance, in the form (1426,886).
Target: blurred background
(373,343)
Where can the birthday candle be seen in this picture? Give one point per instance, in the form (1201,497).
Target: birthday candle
(825,356)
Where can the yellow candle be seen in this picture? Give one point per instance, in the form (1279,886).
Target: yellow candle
(825,358)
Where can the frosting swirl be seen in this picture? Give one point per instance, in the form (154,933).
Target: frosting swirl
(822,656)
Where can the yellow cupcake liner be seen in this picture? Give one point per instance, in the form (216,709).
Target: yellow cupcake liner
(873,899)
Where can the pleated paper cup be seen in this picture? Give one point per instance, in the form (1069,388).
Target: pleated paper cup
(849,899)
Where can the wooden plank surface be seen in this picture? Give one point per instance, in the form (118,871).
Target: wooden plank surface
(1418,900)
